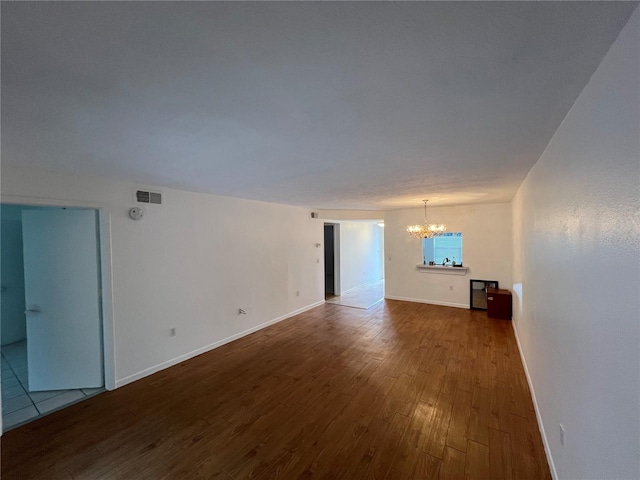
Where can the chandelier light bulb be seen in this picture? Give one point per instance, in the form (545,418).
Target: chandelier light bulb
(426,230)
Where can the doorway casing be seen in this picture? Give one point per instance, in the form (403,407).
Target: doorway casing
(104,250)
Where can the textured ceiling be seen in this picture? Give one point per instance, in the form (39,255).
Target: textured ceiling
(326,105)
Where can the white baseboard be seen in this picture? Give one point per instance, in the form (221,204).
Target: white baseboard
(431,302)
(174,361)
(547,451)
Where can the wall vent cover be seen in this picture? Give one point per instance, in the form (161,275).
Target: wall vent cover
(143,196)
(155,197)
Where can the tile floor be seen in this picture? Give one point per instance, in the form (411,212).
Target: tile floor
(363,297)
(18,404)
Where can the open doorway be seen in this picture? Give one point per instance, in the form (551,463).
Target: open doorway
(331,266)
(354,262)
(51,327)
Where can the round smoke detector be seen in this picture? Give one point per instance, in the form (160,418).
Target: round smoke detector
(136,213)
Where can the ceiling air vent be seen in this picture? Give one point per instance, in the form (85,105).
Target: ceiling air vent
(143,196)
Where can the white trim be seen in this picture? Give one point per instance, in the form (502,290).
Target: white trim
(430,302)
(337,272)
(104,226)
(48,202)
(545,442)
(442,270)
(181,358)
(108,328)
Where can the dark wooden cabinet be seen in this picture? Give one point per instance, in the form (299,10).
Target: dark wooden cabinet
(498,303)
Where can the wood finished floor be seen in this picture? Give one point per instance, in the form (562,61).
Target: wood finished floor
(399,391)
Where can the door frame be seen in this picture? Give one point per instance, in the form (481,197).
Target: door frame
(106,278)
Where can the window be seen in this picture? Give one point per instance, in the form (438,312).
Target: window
(438,249)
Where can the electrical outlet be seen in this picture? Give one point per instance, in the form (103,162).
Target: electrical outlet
(563,433)
(172,332)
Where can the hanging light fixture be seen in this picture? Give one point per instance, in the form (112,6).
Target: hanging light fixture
(426,230)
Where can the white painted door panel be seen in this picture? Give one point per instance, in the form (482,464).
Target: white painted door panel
(64,340)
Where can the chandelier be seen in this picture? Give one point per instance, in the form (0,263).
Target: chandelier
(427,230)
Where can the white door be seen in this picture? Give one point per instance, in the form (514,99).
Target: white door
(62,296)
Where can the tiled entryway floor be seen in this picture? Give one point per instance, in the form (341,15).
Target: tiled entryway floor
(364,296)
(19,405)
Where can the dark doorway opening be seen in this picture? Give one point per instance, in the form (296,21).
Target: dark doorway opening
(329,261)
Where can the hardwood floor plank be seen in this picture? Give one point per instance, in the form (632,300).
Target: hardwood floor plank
(434,381)
(428,467)
(396,475)
(477,461)
(360,455)
(459,424)
(283,449)
(400,391)
(386,448)
(412,449)
(499,406)
(523,443)
(480,415)
(500,455)
(453,464)
(395,401)
(338,436)
(439,426)
(371,400)
(452,377)
(466,378)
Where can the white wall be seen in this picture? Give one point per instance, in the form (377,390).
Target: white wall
(486,244)
(190,264)
(13,326)
(361,245)
(576,265)
(351,214)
